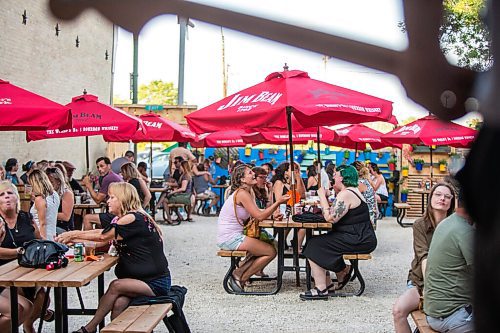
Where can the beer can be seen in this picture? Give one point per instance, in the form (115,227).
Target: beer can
(79,252)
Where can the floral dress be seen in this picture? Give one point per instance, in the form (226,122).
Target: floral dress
(369,195)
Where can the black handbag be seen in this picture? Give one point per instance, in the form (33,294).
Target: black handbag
(308,217)
(39,253)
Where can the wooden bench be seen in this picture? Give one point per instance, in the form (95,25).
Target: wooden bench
(356,274)
(138,319)
(236,257)
(382,207)
(402,207)
(421,322)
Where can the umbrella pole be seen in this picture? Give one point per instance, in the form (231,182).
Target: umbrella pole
(292,165)
(228,164)
(356,151)
(432,171)
(151,160)
(319,156)
(286,151)
(87,153)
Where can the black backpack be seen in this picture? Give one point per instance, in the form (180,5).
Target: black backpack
(40,253)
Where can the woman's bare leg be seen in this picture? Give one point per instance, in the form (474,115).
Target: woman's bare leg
(405,304)
(263,252)
(120,305)
(119,287)
(36,310)
(24,310)
(319,275)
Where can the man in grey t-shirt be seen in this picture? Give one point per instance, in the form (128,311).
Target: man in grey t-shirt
(449,274)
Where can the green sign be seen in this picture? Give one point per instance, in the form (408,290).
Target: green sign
(154,107)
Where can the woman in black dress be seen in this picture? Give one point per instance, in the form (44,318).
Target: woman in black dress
(352,232)
(132,176)
(17,227)
(142,268)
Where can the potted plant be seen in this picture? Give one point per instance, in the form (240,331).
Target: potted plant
(218,157)
(404,195)
(442,165)
(347,154)
(419,163)
(248,150)
(392,163)
(404,171)
(327,150)
(261,154)
(368,153)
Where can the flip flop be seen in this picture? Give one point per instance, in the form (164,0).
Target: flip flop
(314,294)
(49,316)
(235,285)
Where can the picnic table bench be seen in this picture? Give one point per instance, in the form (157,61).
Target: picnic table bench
(421,322)
(382,207)
(138,319)
(402,207)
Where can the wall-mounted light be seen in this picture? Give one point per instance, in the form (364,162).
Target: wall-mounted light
(77,41)
(57,29)
(25,17)
(106,55)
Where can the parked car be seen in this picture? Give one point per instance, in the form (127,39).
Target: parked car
(160,163)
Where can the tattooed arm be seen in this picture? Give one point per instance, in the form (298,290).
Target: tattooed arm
(340,207)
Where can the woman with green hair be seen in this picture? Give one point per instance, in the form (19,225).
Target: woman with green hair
(352,232)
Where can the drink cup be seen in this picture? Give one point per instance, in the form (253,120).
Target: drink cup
(78,200)
(90,248)
(298,209)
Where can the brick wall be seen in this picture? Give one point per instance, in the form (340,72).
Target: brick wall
(34,58)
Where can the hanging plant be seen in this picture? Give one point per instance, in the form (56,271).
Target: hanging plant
(273,161)
(261,154)
(419,163)
(368,153)
(404,195)
(327,150)
(347,154)
(404,171)
(391,163)
(442,165)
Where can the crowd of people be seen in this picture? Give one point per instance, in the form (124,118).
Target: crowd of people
(348,197)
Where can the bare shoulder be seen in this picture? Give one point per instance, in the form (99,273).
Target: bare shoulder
(126,219)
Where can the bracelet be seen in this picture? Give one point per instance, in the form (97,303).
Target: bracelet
(20,250)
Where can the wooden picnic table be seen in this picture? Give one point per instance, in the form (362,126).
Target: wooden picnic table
(76,274)
(280,227)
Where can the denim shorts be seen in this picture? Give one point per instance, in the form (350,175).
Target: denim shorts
(460,321)
(160,286)
(232,244)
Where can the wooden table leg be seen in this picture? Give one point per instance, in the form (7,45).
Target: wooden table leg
(14,315)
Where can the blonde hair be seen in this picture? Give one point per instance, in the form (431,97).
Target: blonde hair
(129,200)
(2,172)
(6,185)
(61,167)
(40,182)
(129,171)
(58,175)
(364,173)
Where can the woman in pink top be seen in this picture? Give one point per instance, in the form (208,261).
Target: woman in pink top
(230,231)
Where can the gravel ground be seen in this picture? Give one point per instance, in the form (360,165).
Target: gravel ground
(191,251)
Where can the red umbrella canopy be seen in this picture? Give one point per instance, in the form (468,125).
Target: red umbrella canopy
(220,139)
(158,128)
(326,136)
(91,117)
(431,131)
(357,136)
(312,102)
(21,110)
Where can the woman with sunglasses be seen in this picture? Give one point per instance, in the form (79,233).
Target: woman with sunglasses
(441,204)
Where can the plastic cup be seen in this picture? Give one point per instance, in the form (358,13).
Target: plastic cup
(78,200)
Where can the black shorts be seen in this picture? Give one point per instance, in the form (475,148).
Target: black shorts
(105,219)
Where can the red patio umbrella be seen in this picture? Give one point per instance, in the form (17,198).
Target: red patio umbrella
(22,110)
(266,105)
(358,136)
(159,129)
(91,117)
(232,138)
(431,131)
(270,104)
(327,136)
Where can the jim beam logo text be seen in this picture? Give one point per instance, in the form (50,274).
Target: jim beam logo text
(247,103)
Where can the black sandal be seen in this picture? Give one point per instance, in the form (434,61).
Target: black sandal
(236,285)
(314,294)
(49,316)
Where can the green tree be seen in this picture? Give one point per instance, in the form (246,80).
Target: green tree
(117,99)
(464,34)
(158,92)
